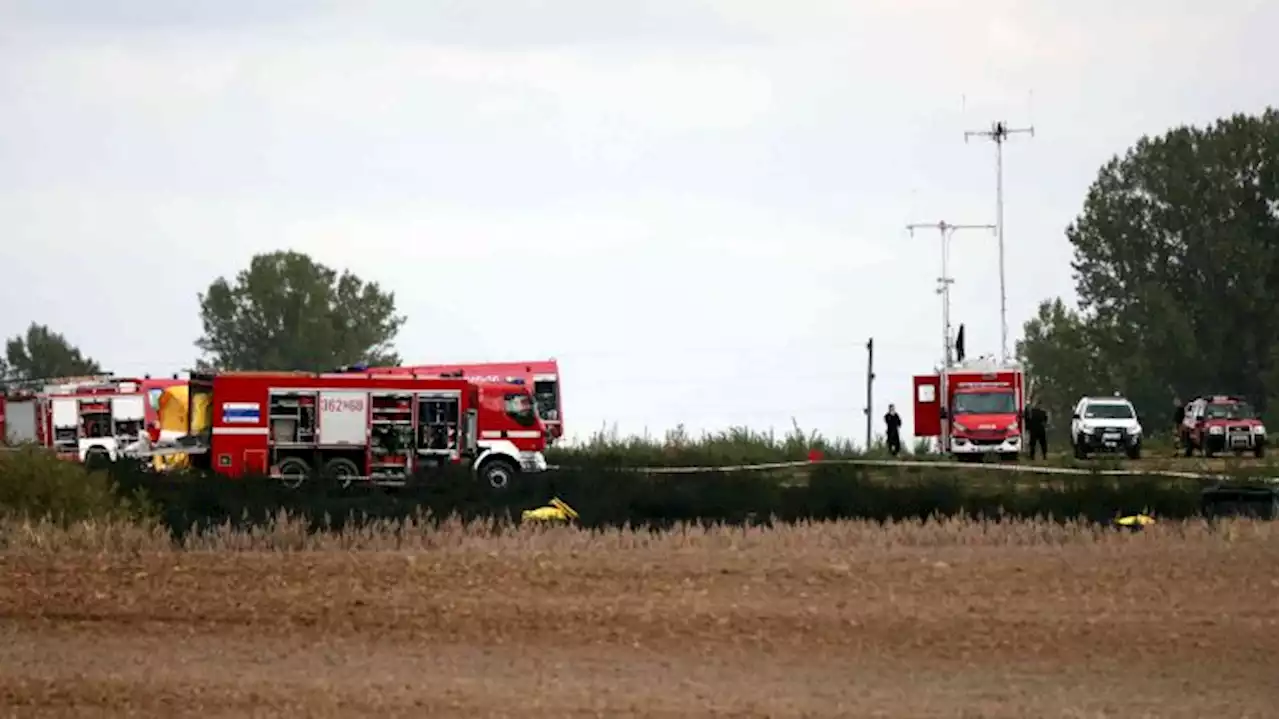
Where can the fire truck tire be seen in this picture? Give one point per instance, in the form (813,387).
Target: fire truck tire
(497,472)
(96,458)
(293,471)
(341,470)
(1260,450)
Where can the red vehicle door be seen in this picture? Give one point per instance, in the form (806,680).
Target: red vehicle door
(925,391)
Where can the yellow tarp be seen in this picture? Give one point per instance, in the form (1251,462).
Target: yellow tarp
(173,409)
(172,415)
(201,409)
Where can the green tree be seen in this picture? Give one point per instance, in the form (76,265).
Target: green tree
(1058,351)
(288,312)
(1175,260)
(41,352)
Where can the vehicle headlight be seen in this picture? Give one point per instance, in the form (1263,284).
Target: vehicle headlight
(1086,430)
(1136,429)
(1013,427)
(957,427)
(1259,429)
(1215,430)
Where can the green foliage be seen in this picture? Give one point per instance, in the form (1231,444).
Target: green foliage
(41,352)
(35,484)
(735,446)
(288,312)
(1175,259)
(610,498)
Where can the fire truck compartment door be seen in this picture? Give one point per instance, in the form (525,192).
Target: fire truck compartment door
(66,413)
(927,403)
(20,421)
(128,408)
(344,417)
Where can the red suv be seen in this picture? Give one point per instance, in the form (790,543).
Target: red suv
(1223,424)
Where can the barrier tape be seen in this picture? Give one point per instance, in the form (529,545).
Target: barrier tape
(936,464)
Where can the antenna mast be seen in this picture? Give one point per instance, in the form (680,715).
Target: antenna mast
(945,231)
(998,133)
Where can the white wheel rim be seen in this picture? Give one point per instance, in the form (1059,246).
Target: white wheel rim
(498,477)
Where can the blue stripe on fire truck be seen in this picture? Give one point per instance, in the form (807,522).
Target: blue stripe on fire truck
(241,412)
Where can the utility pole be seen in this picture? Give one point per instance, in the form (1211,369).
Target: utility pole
(998,133)
(945,231)
(871,377)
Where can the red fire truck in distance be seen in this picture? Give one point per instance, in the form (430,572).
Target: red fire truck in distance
(88,419)
(982,412)
(540,376)
(512,437)
(346,426)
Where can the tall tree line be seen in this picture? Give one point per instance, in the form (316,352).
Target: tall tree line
(284,312)
(1175,267)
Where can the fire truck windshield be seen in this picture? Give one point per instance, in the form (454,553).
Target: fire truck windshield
(1229,410)
(992,402)
(520,408)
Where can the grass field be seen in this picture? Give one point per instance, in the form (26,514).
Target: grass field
(852,619)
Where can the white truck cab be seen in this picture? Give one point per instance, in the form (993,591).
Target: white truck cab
(1105,424)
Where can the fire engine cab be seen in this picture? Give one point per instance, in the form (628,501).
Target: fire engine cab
(343,426)
(542,377)
(512,435)
(89,419)
(974,409)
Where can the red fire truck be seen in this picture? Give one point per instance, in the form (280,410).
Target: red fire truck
(348,426)
(982,412)
(89,419)
(541,376)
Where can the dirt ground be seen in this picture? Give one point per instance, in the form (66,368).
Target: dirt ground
(802,625)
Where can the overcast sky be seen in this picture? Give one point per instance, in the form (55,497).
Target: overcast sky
(698,207)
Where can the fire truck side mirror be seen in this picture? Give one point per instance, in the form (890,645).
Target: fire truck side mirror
(1075,415)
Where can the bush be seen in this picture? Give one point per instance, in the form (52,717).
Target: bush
(611,497)
(35,484)
(734,446)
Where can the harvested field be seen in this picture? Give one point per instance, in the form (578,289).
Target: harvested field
(947,619)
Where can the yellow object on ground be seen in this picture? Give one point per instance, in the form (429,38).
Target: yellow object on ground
(1136,521)
(555,511)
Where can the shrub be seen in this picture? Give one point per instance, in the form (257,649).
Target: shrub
(35,484)
(734,446)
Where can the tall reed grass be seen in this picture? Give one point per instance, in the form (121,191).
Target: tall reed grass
(286,533)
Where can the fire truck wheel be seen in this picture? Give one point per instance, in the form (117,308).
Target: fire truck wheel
(1260,450)
(341,470)
(96,458)
(293,471)
(498,472)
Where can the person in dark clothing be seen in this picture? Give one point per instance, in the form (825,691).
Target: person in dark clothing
(1179,414)
(1037,424)
(892,425)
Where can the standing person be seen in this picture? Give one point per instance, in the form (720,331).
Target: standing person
(1037,424)
(892,424)
(1179,414)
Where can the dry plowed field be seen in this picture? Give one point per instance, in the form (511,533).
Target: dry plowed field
(842,620)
